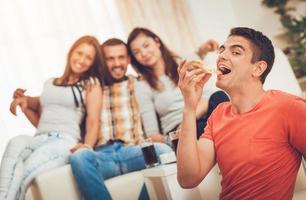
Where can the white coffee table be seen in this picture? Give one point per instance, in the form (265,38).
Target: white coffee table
(161,182)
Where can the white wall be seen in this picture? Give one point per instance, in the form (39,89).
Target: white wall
(213,18)
(253,14)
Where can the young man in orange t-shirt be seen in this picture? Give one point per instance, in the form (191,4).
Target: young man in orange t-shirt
(257,139)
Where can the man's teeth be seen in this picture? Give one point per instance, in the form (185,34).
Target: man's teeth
(117,69)
(224,70)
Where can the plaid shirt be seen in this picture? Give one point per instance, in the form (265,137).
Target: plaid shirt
(120,113)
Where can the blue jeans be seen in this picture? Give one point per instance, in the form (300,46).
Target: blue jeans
(26,157)
(91,168)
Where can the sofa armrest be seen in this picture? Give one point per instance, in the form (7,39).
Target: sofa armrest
(300,183)
(210,187)
(58,184)
(127,186)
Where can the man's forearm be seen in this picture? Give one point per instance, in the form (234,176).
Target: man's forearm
(32,116)
(92,131)
(202,108)
(33,103)
(187,153)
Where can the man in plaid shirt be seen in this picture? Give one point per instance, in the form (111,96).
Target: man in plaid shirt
(117,151)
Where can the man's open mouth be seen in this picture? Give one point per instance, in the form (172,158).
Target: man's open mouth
(224,70)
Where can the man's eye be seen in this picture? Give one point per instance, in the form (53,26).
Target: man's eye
(235,53)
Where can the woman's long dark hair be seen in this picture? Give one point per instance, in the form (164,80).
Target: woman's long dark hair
(147,72)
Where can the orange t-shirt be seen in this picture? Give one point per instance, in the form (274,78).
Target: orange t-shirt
(259,152)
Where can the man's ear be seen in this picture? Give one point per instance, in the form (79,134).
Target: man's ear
(259,68)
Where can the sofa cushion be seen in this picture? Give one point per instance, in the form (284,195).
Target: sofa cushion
(60,184)
(127,186)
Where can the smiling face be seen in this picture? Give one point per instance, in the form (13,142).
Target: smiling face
(146,50)
(82,58)
(117,60)
(234,64)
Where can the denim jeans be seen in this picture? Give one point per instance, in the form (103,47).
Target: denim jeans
(91,168)
(23,160)
(9,166)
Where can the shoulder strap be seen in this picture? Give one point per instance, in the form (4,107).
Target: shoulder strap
(80,94)
(74,97)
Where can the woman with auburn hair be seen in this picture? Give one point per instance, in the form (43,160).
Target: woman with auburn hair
(157,91)
(65,103)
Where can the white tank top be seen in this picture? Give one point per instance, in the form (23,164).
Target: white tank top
(59,110)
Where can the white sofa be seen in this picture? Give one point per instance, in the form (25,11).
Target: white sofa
(59,184)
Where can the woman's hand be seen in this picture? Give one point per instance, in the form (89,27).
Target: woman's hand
(209,46)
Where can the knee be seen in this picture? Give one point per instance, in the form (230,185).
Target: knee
(18,142)
(162,148)
(81,157)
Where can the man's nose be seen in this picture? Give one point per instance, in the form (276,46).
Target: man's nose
(223,55)
(117,62)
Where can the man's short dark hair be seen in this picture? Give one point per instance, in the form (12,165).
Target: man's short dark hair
(262,47)
(113,42)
